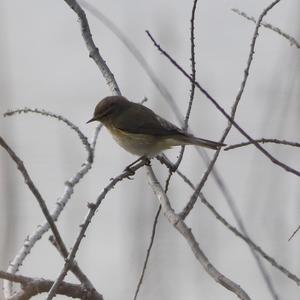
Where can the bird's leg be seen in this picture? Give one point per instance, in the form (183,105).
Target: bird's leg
(141,158)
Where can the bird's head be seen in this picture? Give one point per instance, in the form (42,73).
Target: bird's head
(109,107)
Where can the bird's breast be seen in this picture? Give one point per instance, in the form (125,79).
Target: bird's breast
(138,144)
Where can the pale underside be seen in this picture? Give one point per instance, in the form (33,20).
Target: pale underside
(141,144)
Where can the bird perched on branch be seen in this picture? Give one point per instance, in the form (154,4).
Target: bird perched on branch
(140,131)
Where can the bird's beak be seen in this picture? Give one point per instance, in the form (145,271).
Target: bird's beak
(91,120)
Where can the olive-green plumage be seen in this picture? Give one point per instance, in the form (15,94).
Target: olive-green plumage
(139,130)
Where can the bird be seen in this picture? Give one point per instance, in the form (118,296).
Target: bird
(140,131)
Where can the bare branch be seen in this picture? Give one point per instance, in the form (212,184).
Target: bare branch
(148,253)
(34,286)
(186,232)
(295,231)
(185,127)
(35,192)
(62,201)
(202,182)
(292,40)
(92,49)
(163,91)
(263,141)
(58,239)
(92,209)
(43,112)
(193,66)
(221,109)
(246,239)
(136,54)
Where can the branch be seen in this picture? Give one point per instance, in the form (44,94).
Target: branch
(263,141)
(176,165)
(202,182)
(92,210)
(92,49)
(186,232)
(153,232)
(34,286)
(170,100)
(220,108)
(69,189)
(43,112)
(34,191)
(163,91)
(136,54)
(58,239)
(246,239)
(292,40)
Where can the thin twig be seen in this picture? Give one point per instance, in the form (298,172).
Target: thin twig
(111,82)
(43,112)
(186,232)
(203,180)
(61,203)
(193,75)
(41,201)
(221,109)
(154,226)
(193,67)
(263,141)
(292,40)
(293,234)
(176,165)
(246,239)
(92,210)
(35,192)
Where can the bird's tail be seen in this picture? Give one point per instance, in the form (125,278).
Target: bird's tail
(191,140)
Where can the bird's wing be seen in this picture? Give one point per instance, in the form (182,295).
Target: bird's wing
(142,120)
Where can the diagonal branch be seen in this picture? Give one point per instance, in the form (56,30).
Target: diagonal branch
(179,224)
(234,230)
(92,210)
(61,203)
(35,192)
(202,182)
(292,40)
(92,49)
(224,113)
(58,240)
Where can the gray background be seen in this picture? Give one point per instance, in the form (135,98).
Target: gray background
(44,64)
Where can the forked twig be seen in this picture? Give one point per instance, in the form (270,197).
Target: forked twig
(224,113)
(292,40)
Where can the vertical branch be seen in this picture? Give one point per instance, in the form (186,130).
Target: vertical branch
(194,197)
(176,165)
(193,66)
